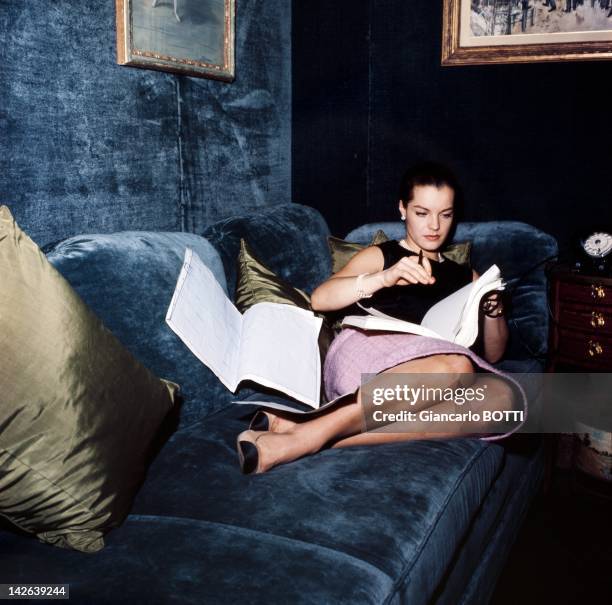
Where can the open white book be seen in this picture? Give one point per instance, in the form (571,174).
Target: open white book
(454,318)
(272,344)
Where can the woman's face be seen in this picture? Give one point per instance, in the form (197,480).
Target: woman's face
(429,216)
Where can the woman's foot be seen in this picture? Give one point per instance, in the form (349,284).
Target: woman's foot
(266,421)
(248,452)
(259,451)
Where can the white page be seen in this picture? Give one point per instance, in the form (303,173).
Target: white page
(445,316)
(456,316)
(482,284)
(376,313)
(288,408)
(468,331)
(374,322)
(280,350)
(403,326)
(205,320)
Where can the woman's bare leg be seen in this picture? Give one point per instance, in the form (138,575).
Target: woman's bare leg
(425,365)
(500,397)
(311,436)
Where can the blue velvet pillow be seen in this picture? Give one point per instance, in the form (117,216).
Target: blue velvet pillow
(128,280)
(290,239)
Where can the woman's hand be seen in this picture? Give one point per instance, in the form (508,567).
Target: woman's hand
(408,271)
(495,328)
(492,305)
(340,290)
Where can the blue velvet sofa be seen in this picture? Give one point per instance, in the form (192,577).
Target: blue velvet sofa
(413,522)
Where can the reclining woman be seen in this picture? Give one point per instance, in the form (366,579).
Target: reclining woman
(404,279)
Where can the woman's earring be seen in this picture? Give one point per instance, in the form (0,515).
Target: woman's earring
(403,218)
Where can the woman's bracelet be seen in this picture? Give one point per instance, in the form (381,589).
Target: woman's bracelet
(493,307)
(361,293)
(495,312)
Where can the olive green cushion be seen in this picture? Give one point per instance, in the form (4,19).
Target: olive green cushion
(257,283)
(460,253)
(342,251)
(78,413)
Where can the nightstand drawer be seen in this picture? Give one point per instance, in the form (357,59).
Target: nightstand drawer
(597,320)
(594,292)
(583,347)
(581,307)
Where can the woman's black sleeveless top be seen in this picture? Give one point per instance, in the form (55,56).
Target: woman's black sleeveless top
(412,301)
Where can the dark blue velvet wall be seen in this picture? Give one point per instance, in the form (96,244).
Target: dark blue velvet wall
(529,142)
(89,146)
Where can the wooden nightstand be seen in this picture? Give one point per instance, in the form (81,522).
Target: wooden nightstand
(581,330)
(580,341)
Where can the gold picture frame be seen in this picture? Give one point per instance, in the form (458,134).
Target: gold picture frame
(481,32)
(190,37)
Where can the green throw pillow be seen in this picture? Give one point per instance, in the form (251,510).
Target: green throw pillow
(460,253)
(78,413)
(257,283)
(342,251)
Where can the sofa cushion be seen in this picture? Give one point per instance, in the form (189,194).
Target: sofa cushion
(363,518)
(290,239)
(495,527)
(387,506)
(342,250)
(504,243)
(78,413)
(189,561)
(257,283)
(459,252)
(128,279)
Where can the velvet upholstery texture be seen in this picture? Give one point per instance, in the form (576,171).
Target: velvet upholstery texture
(341,526)
(290,239)
(387,507)
(490,540)
(89,146)
(128,280)
(519,250)
(409,522)
(236,138)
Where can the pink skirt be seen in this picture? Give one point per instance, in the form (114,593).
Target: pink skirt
(355,352)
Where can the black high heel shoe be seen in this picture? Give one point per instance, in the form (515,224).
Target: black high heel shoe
(260,422)
(248,452)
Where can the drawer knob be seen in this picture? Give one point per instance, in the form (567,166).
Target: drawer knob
(595,348)
(597,319)
(598,292)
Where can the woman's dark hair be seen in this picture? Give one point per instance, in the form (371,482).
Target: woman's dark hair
(436,175)
(427,173)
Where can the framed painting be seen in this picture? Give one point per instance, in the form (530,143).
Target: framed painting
(519,31)
(191,37)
